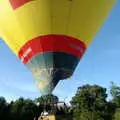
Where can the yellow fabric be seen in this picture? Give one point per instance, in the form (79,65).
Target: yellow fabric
(78,18)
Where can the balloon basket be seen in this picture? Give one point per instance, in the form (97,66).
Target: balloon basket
(55,111)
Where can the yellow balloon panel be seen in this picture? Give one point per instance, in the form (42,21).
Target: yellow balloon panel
(88,16)
(77,18)
(10,30)
(35,18)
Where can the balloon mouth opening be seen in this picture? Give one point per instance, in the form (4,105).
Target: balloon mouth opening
(49,68)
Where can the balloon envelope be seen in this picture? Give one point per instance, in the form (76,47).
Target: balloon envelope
(51,36)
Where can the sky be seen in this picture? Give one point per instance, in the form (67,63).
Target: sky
(100,65)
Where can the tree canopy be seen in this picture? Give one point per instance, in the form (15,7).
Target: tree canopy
(89,102)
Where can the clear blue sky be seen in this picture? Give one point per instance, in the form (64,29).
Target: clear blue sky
(100,65)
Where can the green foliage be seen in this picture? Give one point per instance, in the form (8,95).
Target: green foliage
(117,114)
(3,109)
(115,92)
(23,109)
(89,103)
(110,110)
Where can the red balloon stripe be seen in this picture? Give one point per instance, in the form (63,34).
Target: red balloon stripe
(18,3)
(52,43)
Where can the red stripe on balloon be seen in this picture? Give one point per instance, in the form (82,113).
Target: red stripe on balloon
(52,43)
(17,3)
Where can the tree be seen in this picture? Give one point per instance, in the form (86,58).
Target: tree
(3,109)
(117,114)
(23,109)
(89,103)
(110,110)
(115,92)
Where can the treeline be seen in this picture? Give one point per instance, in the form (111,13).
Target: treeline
(21,109)
(89,103)
(27,109)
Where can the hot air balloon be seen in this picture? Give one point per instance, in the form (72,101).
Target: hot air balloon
(51,36)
